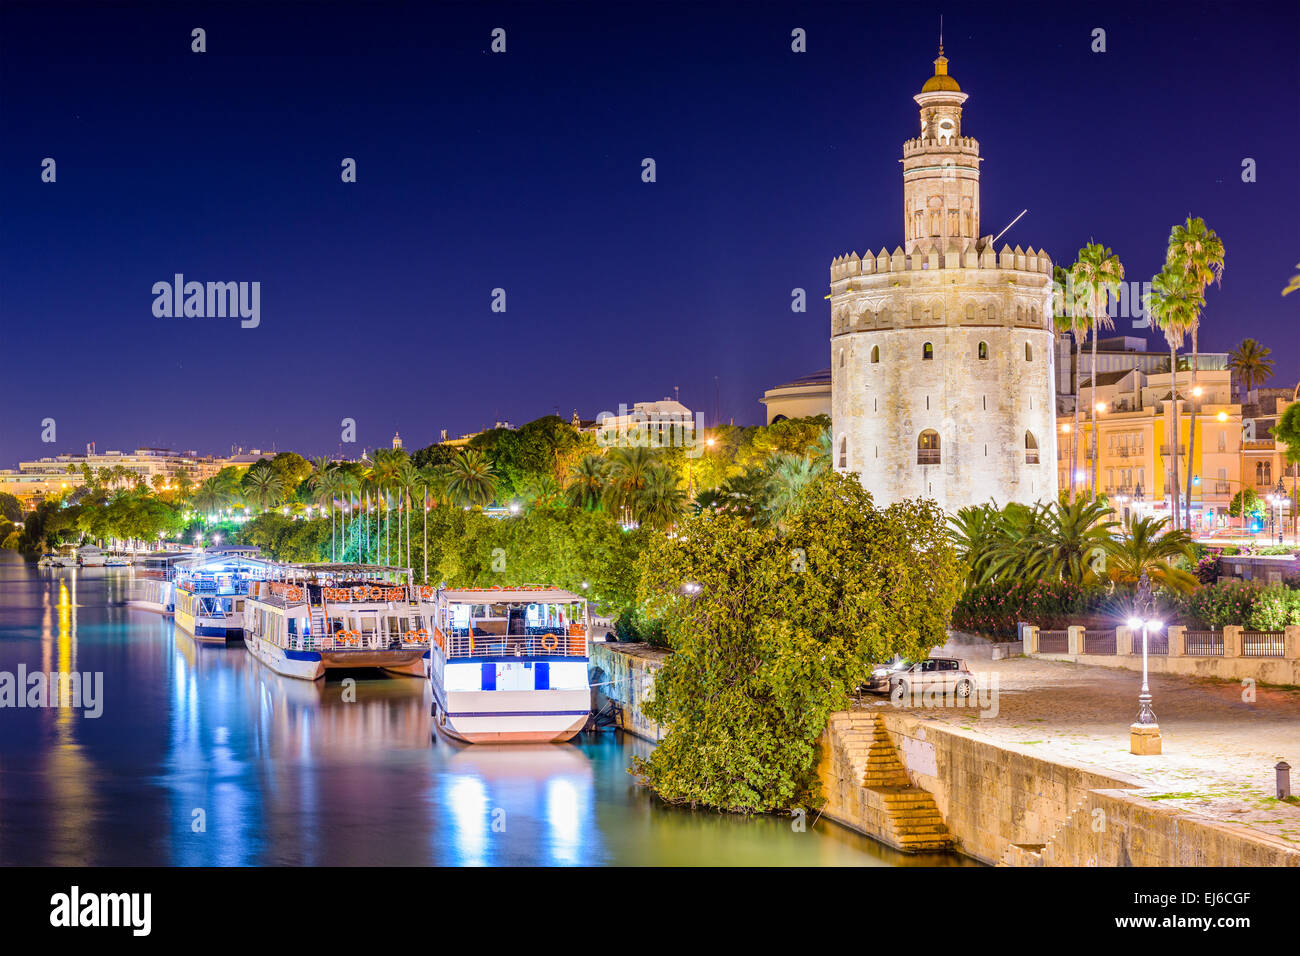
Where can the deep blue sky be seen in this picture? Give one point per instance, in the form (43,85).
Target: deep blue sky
(522,171)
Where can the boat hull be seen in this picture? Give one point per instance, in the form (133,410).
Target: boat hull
(204,630)
(511,717)
(304,665)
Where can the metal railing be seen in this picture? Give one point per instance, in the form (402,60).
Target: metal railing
(1098,642)
(1203,643)
(1262,643)
(460,644)
(927,456)
(355,641)
(1054,642)
(1157,644)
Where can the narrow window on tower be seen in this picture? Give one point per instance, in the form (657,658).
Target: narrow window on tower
(984,351)
(1031,449)
(927,351)
(844,452)
(875,404)
(985,400)
(841,358)
(1029,352)
(875,354)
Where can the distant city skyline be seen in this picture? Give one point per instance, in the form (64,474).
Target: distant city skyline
(522,171)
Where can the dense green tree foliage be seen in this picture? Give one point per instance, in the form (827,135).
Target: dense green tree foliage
(772,627)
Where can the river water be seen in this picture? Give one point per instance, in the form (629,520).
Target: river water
(202,756)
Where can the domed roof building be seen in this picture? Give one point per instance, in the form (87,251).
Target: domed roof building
(942,359)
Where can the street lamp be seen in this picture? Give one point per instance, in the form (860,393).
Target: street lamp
(1144,733)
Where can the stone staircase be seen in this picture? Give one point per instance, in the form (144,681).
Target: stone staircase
(908,817)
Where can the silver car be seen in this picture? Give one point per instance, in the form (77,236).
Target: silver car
(881,673)
(947,674)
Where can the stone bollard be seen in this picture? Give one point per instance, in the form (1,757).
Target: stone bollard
(1123,641)
(1177,641)
(1074,640)
(1030,638)
(1291,643)
(1232,640)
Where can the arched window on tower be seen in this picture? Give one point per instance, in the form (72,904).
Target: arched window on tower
(1031,449)
(875,354)
(844,451)
(927,448)
(927,351)
(984,350)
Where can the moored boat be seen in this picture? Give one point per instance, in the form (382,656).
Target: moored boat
(316,617)
(509,665)
(89,556)
(211,591)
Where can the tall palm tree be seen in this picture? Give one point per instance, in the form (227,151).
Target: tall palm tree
(1070,315)
(321,483)
(1251,365)
(1173,303)
(1199,252)
(408,480)
(471,480)
(433,479)
(210,496)
(1059,542)
(1096,274)
(587,483)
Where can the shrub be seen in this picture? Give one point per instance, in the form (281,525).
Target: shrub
(995,608)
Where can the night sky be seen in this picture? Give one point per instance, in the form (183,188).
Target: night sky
(523,171)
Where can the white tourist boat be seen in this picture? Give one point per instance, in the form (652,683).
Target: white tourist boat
(509,665)
(89,556)
(117,561)
(211,592)
(315,617)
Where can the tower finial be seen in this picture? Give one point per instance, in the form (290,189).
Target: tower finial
(941,34)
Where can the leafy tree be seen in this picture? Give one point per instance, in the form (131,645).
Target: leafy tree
(10,508)
(772,628)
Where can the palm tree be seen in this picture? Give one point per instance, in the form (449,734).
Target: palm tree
(1096,274)
(210,496)
(408,479)
(629,470)
(1251,365)
(790,478)
(1199,252)
(263,485)
(587,483)
(321,482)
(661,502)
(1070,315)
(471,479)
(976,530)
(1065,541)
(1173,304)
(1143,549)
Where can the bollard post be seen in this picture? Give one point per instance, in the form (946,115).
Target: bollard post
(1283,779)
(1232,640)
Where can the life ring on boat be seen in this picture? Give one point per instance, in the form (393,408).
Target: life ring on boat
(376,594)
(293,594)
(426,593)
(553,642)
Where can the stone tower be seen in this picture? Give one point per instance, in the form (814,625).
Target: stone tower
(942,351)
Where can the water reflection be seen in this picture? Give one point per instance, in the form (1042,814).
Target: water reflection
(205,757)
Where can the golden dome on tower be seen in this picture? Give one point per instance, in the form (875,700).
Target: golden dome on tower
(941,81)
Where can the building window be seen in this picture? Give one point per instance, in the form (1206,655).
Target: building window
(875,354)
(927,448)
(1029,352)
(841,358)
(844,452)
(927,351)
(1031,449)
(984,350)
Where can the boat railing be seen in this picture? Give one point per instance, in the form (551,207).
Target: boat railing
(357,641)
(554,643)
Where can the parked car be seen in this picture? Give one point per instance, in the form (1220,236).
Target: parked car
(945,673)
(880,674)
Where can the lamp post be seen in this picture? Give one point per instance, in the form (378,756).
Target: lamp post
(1279,495)
(1144,733)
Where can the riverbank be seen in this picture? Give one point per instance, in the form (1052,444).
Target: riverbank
(1044,777)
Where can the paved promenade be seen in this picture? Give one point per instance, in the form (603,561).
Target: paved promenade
(1219,750)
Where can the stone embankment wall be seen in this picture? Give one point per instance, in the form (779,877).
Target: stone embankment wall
(1004,806)
(624,674)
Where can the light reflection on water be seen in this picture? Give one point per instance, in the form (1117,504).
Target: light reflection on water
(205,757)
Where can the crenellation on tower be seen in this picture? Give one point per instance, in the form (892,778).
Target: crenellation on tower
(942,360)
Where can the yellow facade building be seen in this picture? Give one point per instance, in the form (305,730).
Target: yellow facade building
(1134,444)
